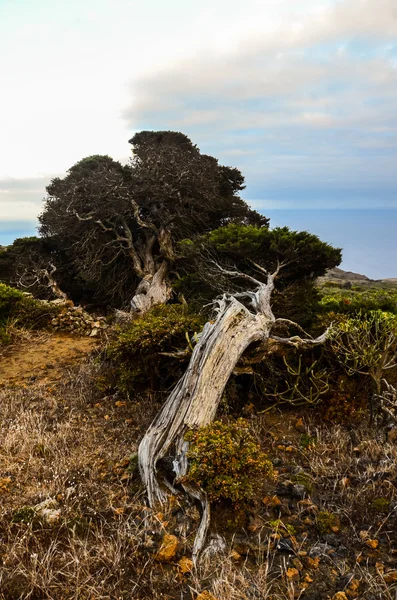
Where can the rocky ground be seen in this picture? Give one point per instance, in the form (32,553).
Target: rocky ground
(74,523)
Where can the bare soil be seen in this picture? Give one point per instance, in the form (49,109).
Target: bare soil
(43,358)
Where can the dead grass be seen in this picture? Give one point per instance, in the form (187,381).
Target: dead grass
(66,442)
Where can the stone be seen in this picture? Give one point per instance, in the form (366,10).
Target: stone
(168,548)
(390,577)
(205,596)
(94,332)
(185,565)
(340,596)
(298,491)
(48,510)
(285,545)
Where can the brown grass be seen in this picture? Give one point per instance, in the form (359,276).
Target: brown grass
(66,442)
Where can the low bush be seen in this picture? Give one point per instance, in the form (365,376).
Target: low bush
(226,461)
(136,356)
(353,301)
(22,310)
(10,298)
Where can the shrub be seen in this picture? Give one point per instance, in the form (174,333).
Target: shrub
(136,354)
(225,460)
(352,301)
(366,344)
(9,299)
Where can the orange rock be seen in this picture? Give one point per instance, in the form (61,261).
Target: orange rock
(271,501)
(311,563)
(352,590)
(185,565)
(297,564)
(299,425)
(291,573)
(340,596)
(168,548)
(205,596)
(372,543)
(390,577)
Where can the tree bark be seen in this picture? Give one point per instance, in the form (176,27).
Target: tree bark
(196,397)
(152,290)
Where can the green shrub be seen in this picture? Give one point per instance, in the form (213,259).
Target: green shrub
(352,301)
(226,461)
(34,314)
(10,298)
(136,354)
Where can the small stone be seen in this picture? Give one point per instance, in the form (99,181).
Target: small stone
(167,549)
(292,573)
(298,491)
(185,565)
(372,543)
(299,425)
(94,332)
(297,564)
(390,577)
(285,545)
(205,596)
(311,563)
(340,596)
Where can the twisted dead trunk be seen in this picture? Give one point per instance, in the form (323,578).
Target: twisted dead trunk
(153,289)
(196,397)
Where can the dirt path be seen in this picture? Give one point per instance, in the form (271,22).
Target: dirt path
(43,358)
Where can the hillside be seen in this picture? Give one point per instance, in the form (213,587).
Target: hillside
(74,523)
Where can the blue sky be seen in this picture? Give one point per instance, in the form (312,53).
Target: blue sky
(301,96)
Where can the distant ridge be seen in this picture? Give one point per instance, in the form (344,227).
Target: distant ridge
(337,273)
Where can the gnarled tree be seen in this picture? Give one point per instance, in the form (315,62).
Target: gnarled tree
(242,318)
(119,224)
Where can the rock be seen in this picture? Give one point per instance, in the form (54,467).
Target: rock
(48,510)
(299,426)
(298,491)
(216,545)
(285,545)
(319,550)
(205,596)
(94,332)
(185,565)
(340,596)
(390,577)
(168,548)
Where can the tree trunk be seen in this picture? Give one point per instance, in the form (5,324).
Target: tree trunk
(153,289)
(196,397)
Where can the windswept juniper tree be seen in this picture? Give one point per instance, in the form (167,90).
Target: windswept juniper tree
(119,224)
(242,318)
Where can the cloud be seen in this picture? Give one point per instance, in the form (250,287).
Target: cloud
(310,104)
(21,200)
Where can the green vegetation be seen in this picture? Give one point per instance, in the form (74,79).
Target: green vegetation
(225,460)
(339,300)
(136,356)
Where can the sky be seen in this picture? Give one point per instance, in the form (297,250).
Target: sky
(298,94)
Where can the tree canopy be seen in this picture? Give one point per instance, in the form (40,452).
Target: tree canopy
(119,224)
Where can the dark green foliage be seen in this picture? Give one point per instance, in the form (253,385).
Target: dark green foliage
(238,247)
(108,217)
(135,355)
(22,311)
(225,461)
(10,298)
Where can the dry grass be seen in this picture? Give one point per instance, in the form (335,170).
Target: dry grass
(69,444)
